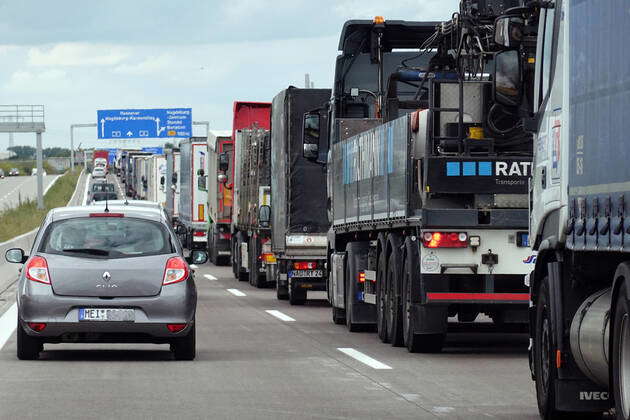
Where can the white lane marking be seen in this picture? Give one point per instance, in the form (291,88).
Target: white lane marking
(280,315)
(210,277)
(87,187)
(51,183)
(8,322)
(363,358)
(236,292)
(193,266)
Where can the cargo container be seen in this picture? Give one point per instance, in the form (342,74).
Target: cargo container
(299,221)
(193,200)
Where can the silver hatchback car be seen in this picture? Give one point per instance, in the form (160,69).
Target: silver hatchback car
(106,275)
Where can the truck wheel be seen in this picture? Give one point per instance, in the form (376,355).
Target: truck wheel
(338,316)
(234,260)
(255,278)
(28,347)
(544,366)
(297,296)
(351,289)
(394,314)
(242,274)
(381,297)
(621,353)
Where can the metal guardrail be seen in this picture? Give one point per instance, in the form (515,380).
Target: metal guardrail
(22,118)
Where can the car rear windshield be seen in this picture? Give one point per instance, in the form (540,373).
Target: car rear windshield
(103,187)
(106,237)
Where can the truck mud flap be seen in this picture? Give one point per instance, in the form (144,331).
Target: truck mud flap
(429,320)
(581,395)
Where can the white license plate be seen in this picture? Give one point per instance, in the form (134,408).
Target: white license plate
(106,314)
(306,273)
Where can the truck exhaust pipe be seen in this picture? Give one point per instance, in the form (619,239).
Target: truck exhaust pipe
(590,331)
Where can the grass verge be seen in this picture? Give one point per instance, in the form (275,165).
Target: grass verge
(26,217)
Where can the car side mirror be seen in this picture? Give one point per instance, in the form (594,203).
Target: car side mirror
(16,256)
(264,216)
(197,256)
(310,135)
(508,86)
(224,162)
(508,31)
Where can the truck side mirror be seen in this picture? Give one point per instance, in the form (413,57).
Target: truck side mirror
(222,178)
(508,86)
(174,178)
(508,31)
(264,216)
(224,162)
(310,135)
(162,181)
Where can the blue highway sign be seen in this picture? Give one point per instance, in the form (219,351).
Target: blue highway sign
(144,123)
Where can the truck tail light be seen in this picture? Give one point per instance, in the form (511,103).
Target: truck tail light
(199,233)
(304,265)
(269,258)
(361,276)
(176,271)
(226,236)
(445,239)
(37,270)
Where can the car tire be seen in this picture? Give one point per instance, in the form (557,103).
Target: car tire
(28,347)
(184,348)
(621,352)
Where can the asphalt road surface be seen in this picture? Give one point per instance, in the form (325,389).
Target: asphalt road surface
(255,364)
(16,188)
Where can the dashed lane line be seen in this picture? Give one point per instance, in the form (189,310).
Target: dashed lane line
(210,277)
(363,358)
(8,322)
(280,315)
(236,292)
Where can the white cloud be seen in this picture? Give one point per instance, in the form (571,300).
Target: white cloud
(77,55)
(45,81)
(152,64)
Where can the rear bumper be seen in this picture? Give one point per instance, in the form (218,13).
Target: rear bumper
(175,304)
(311,283)
(458,297)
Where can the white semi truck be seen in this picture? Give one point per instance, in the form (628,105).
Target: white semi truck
(193,199)
(566,64)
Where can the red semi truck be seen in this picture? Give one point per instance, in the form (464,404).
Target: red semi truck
(100,156)
(221,171)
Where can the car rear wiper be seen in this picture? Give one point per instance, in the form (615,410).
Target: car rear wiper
(91,251)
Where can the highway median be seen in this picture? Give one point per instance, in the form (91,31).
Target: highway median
(26,217)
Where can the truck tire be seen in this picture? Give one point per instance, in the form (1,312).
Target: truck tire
(255,278)
(184,348)
(297,296)
(282,292)
(544,368)
(351,289)
(621,352)
(242,274)
(381,297)
(234,260)
(338,316)
(394,313)
(28,347)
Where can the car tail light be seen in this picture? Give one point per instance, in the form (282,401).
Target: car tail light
(175,327)
(304,265)
(176,271)
(445,239)
(227,236)
(37,270)
(107,215)
(36,326)
(199,233)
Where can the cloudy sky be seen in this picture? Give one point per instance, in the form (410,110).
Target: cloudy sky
(77,56)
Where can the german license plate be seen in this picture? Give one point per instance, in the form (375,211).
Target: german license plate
(106,314)
(306,273)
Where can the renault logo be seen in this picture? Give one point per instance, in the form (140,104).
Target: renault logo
(107,276)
